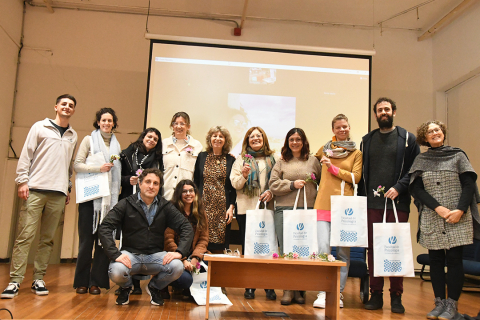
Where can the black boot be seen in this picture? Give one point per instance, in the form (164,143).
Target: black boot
(249,294)
(396,304)
(270,293)
(375,302)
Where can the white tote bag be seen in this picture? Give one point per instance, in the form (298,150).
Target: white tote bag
(349,219)
(199,290)
(300,229)
(89,186)
(392,248)
(260,238)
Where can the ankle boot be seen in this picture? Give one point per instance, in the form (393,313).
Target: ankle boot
(298,296)
(287,297)
(396,302)
(450,311)
(438,310)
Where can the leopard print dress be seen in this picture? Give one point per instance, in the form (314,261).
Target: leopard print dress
(214,199)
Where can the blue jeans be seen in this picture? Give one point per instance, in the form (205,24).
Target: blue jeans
(343,253)
(184,282)
(150,264)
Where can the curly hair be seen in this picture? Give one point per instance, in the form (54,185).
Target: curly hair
(423,130)
(384,99)
(228,139)
(198,216)
(287,154)
(100,113)
(246,140)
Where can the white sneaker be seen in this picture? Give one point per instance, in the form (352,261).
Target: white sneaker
(320,302)
(11,290)
(39,288)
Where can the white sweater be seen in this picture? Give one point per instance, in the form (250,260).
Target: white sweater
(46,159)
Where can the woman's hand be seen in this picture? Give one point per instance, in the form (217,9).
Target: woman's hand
(106,167)
(245,170)
(326,161)
(442,211)
(229,215)
(187,265)
(266,196)
(298,184)
(454,216)
(133,180)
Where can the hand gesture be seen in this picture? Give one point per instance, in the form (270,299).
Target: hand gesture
(123,258)
(106,167)
(298,184)
(326,161)
(246,170)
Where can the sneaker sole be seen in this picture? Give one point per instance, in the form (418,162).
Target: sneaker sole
(9,295)
(122,304)
(317,306)
(40,293)
(151,300)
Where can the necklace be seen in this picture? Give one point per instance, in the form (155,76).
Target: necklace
(139,165)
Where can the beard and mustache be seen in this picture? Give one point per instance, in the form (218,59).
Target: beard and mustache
(385,123)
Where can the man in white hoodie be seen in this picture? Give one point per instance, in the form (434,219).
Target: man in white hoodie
(43,172)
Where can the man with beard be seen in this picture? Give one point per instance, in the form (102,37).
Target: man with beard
(388,154)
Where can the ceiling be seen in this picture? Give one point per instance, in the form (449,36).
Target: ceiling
(415,15)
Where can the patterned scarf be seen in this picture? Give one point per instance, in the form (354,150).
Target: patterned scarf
(338,149)
(102,206)
(252,187)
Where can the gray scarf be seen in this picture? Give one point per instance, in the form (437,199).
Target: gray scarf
(339,149)
(446,159)
(102,206)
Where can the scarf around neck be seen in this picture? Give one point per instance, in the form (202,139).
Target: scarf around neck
(252,186)
(446,158)
(338,149)
(102,206)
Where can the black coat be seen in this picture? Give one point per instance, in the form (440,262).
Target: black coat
(407,150)
(138,236)
(230,192)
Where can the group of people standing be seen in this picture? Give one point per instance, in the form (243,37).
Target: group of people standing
(167,236)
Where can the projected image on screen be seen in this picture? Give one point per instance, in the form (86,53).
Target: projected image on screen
(243,87)
(275,115)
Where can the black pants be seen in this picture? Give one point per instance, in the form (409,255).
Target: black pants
(455,275)
(86,273)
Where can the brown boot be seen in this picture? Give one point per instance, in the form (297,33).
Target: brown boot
(287,297)
(298,296)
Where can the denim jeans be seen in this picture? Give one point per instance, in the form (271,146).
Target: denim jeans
(149,264)
(184,282)
(343,253)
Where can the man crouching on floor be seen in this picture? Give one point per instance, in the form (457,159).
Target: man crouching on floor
(143,218)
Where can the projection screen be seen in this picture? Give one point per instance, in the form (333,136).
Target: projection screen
(240,87)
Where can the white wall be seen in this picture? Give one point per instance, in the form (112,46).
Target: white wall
(11,13)
(102,59)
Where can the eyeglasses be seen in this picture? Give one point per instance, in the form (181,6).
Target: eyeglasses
(433,131)
(192,191)
(229,252)
(178,124)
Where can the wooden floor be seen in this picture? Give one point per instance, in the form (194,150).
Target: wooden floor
(64,303)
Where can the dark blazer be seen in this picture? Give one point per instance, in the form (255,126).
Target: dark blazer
(407,150)
(138,236)
(230,192)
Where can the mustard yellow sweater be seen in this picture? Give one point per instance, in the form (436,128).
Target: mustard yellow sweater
(330,184)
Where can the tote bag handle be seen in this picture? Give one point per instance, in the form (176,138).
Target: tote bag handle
(258,205)
(385,211)
(304,198)
(355,186)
